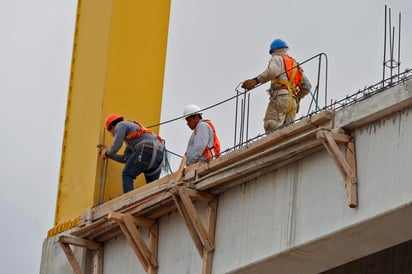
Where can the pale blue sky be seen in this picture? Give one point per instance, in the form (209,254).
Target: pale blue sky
(213,45)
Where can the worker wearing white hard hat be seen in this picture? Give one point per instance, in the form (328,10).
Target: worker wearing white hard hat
(203,144)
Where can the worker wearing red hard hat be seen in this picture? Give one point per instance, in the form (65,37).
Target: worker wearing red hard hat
(144,150)
(288,86)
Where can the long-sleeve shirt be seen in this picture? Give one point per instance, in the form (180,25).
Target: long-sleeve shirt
(123,129)
(202,136)
(276,69)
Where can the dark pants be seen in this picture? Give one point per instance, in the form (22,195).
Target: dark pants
(138,162)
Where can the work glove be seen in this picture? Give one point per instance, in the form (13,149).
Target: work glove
(249,84)
(102,150)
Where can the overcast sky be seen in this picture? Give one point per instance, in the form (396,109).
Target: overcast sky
(213,45)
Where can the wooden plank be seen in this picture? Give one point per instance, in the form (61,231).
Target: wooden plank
(337,156)
(143,222)
(137,195)
(137,251)
(339,138)
(195,219)
(189,224)
(262,144)
(351,187)
(101,225)
(269,151)
(323,117)
(66,239)
(97,261)
(138,240)
(239,171)
(71,258)
(262,171)
(153,245)
(199,195)
(179,173)
(211,217)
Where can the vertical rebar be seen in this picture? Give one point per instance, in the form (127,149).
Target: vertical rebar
(399,47)
(384,47)
(247,117)
(236,112)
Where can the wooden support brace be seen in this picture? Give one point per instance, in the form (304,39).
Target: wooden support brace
(345,163)
(203,237)
(211,217)
(186,219)
(65,242)
(97,261)
(128,225)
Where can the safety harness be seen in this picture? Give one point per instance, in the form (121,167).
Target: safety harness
(295,80)
(138,133)
(207,153)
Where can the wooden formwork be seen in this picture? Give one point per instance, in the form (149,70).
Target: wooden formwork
(142,207)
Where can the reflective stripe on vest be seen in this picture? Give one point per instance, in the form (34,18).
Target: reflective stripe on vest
(138,133)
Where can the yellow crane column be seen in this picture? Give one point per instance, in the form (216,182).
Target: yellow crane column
(118,65)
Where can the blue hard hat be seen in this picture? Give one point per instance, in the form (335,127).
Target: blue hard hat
(277,44)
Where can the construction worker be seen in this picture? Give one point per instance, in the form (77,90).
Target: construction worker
(288,86)
(144,150)
(203,139)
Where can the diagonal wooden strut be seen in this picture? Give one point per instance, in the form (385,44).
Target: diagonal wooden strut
(147,255)
(203,236)
(345,163)
(97,253)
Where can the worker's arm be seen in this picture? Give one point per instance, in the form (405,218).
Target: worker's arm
(120,133)
(306,87)
(273,70)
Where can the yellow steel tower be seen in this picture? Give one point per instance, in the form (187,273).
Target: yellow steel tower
(118,65)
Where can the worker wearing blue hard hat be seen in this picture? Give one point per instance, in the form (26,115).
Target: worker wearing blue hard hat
(288,86)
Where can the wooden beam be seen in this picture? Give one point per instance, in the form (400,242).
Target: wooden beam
(65,242)
(134,246)
(351,186)
(347,170)
(66,239)
(153,245)
(276,137)
(211,216)
(186,219)
(132,234)
(97,261)
(139,221)
(138,239)
(237,172)
(195,219)
(179,173)
(199,195)
(71,258)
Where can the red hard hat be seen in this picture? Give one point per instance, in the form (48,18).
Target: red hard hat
(111,118)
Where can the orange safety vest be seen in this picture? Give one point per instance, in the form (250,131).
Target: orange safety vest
(294,73)
(138,133)
(207,153)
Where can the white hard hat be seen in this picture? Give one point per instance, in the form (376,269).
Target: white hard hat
(191,110)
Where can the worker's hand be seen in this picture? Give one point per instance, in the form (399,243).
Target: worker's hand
(103,153)
(249,84)
(102,150)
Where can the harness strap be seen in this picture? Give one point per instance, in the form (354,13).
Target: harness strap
(292,84)
(138,133)
(152,161)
